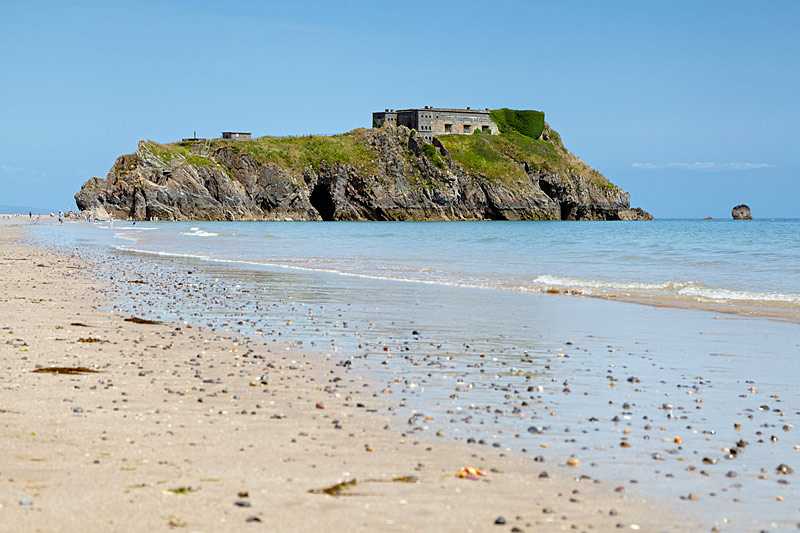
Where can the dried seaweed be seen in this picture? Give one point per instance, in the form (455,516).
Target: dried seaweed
(80,325)
(181,491)
(137,320)
(339,489)
(336,490)
(405,479)
(68,370)
(90,340)
(137,282)
(396,479)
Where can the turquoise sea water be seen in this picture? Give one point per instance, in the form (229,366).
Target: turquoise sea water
(706,260)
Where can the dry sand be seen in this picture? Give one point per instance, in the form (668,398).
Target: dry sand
(182,428)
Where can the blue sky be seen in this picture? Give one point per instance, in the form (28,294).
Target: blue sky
(690,106)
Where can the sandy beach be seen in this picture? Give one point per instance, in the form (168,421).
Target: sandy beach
(174,427)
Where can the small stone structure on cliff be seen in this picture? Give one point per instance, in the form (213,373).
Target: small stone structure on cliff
(431,121)
(237,135)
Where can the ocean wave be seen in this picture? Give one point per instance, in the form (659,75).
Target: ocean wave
(688,289)
(574,283)
(727,294)
(197,232)
(124,228)
(123,237)
(300,268)
(680,289)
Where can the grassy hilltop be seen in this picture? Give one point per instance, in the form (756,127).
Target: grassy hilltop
(524,140)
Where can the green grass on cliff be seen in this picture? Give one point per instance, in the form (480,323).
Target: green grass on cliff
(497,157)
(298,153)
(527,122)
(502,157)
(433,154)
(181,151)
(167,152)
(292,153)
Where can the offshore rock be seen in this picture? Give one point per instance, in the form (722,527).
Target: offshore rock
(741,212)
(389,173)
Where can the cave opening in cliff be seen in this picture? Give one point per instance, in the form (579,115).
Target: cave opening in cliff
(322,200)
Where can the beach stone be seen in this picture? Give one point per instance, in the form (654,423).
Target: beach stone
(499,521)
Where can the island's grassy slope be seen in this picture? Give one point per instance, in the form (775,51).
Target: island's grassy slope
(527,122)
(503,157)
(526,143)
(172,152)
(293,153)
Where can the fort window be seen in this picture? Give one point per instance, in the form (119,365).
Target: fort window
(448,128)
(467,128)
(486,129)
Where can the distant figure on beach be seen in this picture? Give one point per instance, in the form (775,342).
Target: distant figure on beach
(30,215)
(60,217)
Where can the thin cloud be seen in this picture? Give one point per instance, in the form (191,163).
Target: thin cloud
(14,170)
(706,166)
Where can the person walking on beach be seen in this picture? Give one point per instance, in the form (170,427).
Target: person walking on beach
(60,217)
(30,215)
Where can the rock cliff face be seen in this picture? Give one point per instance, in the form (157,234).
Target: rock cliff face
(367,174)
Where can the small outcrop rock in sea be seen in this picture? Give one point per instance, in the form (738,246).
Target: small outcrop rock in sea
(635,213)
(388,173)
(741,212)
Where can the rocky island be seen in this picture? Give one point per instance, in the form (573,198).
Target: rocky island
(519,170)
(741,212)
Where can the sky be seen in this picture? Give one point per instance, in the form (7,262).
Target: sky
(690,106)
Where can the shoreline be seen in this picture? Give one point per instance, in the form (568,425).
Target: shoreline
(743,307)
(158,437)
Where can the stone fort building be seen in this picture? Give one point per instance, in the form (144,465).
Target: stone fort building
(432,121)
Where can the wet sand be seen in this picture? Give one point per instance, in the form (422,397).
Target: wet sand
(179,427)
(745,308)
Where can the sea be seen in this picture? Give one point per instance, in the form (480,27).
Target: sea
(679,338)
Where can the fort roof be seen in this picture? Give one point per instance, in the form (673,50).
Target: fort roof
(440,109)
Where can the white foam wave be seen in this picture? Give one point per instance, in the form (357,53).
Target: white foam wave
(123,237)
(302,268)
(197,232)
(685,289)
(674,288)
(123,228)
(726,294)
(554,281)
